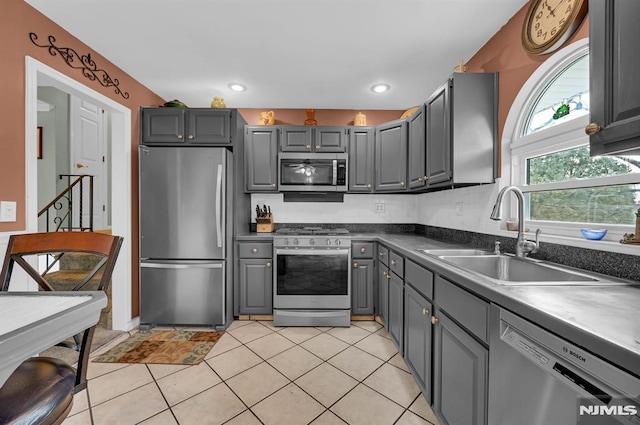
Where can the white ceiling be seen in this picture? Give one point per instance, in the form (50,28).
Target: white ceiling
(289,53)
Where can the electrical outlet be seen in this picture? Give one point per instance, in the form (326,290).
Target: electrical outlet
(459,208)
(379,207)
(7,211)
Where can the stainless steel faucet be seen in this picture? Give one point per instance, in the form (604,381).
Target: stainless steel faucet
(523,246)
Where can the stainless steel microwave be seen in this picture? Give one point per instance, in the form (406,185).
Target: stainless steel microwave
(303,172)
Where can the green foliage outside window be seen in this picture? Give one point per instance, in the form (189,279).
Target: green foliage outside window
(605,204)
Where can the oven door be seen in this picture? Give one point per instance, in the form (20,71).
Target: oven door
(312,279)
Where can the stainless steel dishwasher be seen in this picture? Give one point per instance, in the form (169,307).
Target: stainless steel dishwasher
(537,378)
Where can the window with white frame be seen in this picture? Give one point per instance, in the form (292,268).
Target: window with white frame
(565,188)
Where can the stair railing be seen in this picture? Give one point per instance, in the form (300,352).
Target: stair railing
(64,218)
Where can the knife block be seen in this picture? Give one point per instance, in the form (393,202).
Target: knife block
(265,225)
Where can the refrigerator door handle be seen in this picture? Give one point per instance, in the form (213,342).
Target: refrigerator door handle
(219,205)
(183,265)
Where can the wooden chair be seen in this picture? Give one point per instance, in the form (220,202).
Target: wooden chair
(41,389)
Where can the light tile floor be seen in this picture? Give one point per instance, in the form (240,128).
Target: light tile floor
(260,374)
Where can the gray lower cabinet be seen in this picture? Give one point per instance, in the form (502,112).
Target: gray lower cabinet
(395,318)
(361,159)
(460,368)
(255,278)
(362,278)
(391,157)
(614,78)
(417,338)
(260,158)
(383,293)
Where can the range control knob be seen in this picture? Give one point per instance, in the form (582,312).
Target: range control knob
(312,241)
(338,242)
(295,241)
(286,241)
(328,242)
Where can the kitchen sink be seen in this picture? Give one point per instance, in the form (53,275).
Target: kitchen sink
(507,270)
(453,252)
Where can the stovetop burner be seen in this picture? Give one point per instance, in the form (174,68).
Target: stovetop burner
(287,231)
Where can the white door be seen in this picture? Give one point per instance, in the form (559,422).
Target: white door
(89,156)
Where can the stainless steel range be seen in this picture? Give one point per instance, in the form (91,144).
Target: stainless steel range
(311,279)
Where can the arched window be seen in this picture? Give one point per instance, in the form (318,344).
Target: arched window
(565,188)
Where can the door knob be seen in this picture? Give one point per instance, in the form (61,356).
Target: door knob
(254,250)
(268,264)
(393,262)
(425,312)
(190,137)
(434,320)
(179,136)
(402,184)
(363,250)
(592,128)
(355,265)
(80,165)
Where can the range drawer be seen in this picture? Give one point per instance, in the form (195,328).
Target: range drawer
(255,250)
(467,309)
(419,277)
(396,264)
(362,250)
(383,255)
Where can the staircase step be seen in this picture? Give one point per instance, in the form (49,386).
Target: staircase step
(79,261)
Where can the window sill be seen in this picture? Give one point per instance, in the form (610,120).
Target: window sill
(603,245)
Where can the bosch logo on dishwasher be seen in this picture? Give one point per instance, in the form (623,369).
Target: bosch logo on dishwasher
(574,354)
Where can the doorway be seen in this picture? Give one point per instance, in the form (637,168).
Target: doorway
(119,127)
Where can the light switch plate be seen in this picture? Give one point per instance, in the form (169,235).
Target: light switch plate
(7,211)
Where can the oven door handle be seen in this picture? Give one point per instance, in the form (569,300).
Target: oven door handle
(305,251)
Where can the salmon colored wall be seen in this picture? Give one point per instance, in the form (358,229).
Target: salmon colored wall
(323,116)
(17,20)
(504,53)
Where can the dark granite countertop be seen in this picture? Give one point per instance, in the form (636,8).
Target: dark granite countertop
(604,320)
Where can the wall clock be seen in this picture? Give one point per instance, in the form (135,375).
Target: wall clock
(549,23)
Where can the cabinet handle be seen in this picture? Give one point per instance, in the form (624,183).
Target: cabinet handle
(254,250)
(355,265)
(393,262)
(381,254)
(402,184)
(308,146)
(425,312)
(369,186)
(425,178)
(592,128)
(317,147)
(384,272)
(190,137)
(268,264)
(273,185)
(179,136)
(363,250)
(434,320)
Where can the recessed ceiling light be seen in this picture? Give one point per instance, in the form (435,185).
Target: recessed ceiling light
(237,87)
(380,88)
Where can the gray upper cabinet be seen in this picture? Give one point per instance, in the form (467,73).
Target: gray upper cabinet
(391,157)
(361,159)
(185,126)
(461,131)
(260,158)
(417,150)
(614,34)
(298,138)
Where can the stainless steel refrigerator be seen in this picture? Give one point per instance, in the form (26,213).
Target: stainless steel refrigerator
(182,235)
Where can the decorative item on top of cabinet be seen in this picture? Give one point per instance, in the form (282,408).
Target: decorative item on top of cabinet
(461,67)
(267,118)
(360,120)
(311,117)
(218,102)
(409,112)
(614,78)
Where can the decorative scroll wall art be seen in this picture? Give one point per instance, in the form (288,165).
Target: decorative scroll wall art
(82,62)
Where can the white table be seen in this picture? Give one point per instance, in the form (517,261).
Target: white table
(31,322)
